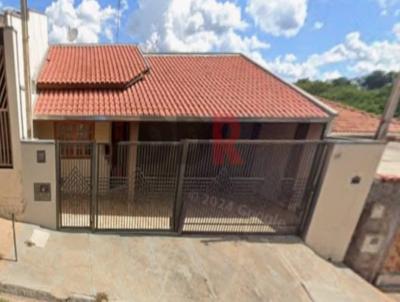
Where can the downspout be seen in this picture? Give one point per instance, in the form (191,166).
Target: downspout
(390,110)
(27,69)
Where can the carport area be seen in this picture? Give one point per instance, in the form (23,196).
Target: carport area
(163,268)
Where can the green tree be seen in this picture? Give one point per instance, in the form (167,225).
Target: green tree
(377,79)
(369,93)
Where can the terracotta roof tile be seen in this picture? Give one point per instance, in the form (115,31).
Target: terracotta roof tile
(353,121)
(183,86)
(105,66)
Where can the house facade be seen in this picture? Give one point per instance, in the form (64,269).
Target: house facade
(168,97)
(170,143)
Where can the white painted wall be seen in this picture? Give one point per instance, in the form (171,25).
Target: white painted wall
(340,203)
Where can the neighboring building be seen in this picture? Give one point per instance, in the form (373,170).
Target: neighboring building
(352,122)
(172,143)
(374,251)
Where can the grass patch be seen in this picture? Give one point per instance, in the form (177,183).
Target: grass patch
(3,300)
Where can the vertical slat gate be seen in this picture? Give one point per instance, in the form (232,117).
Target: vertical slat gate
(137,186)
(247,186)
(189,186)
(75,184)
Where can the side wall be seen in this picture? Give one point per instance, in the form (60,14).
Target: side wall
(11,193)
(349,172)
(374,249)
(39,212)
(11,199)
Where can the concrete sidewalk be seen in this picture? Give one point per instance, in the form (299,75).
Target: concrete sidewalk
(152,268)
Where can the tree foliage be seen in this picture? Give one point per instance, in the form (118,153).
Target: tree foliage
(369,93)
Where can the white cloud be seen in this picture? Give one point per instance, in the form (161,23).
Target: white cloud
(318,25)
(386,5)
(331,75)
(278,17)
(192,25)
(396,30)
(210,25)
(91,20)
(358,56)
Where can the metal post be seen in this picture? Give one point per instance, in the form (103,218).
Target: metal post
(58,184)
(179,190)
(390,110)
(15,237)
(94,183)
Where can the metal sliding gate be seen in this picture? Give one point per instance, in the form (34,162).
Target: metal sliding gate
(188,186)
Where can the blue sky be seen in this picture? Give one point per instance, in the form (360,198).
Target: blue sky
(319,39)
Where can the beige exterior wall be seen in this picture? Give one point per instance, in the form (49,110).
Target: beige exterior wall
(42,213)
(11,196)
(11,192)
(340,203)
(102,132)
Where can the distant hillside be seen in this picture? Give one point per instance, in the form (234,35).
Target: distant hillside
(368,93)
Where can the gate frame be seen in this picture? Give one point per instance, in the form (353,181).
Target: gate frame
(179,203)
(93,145)
(312,186)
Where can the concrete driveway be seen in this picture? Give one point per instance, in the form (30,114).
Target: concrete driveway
(152,268)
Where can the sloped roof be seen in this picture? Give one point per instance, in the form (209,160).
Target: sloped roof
(353,121)
(92,66)
(182,86)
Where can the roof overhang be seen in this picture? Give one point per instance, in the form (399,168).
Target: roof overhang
(100,118)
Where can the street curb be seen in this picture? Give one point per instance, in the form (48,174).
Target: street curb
(40,295)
